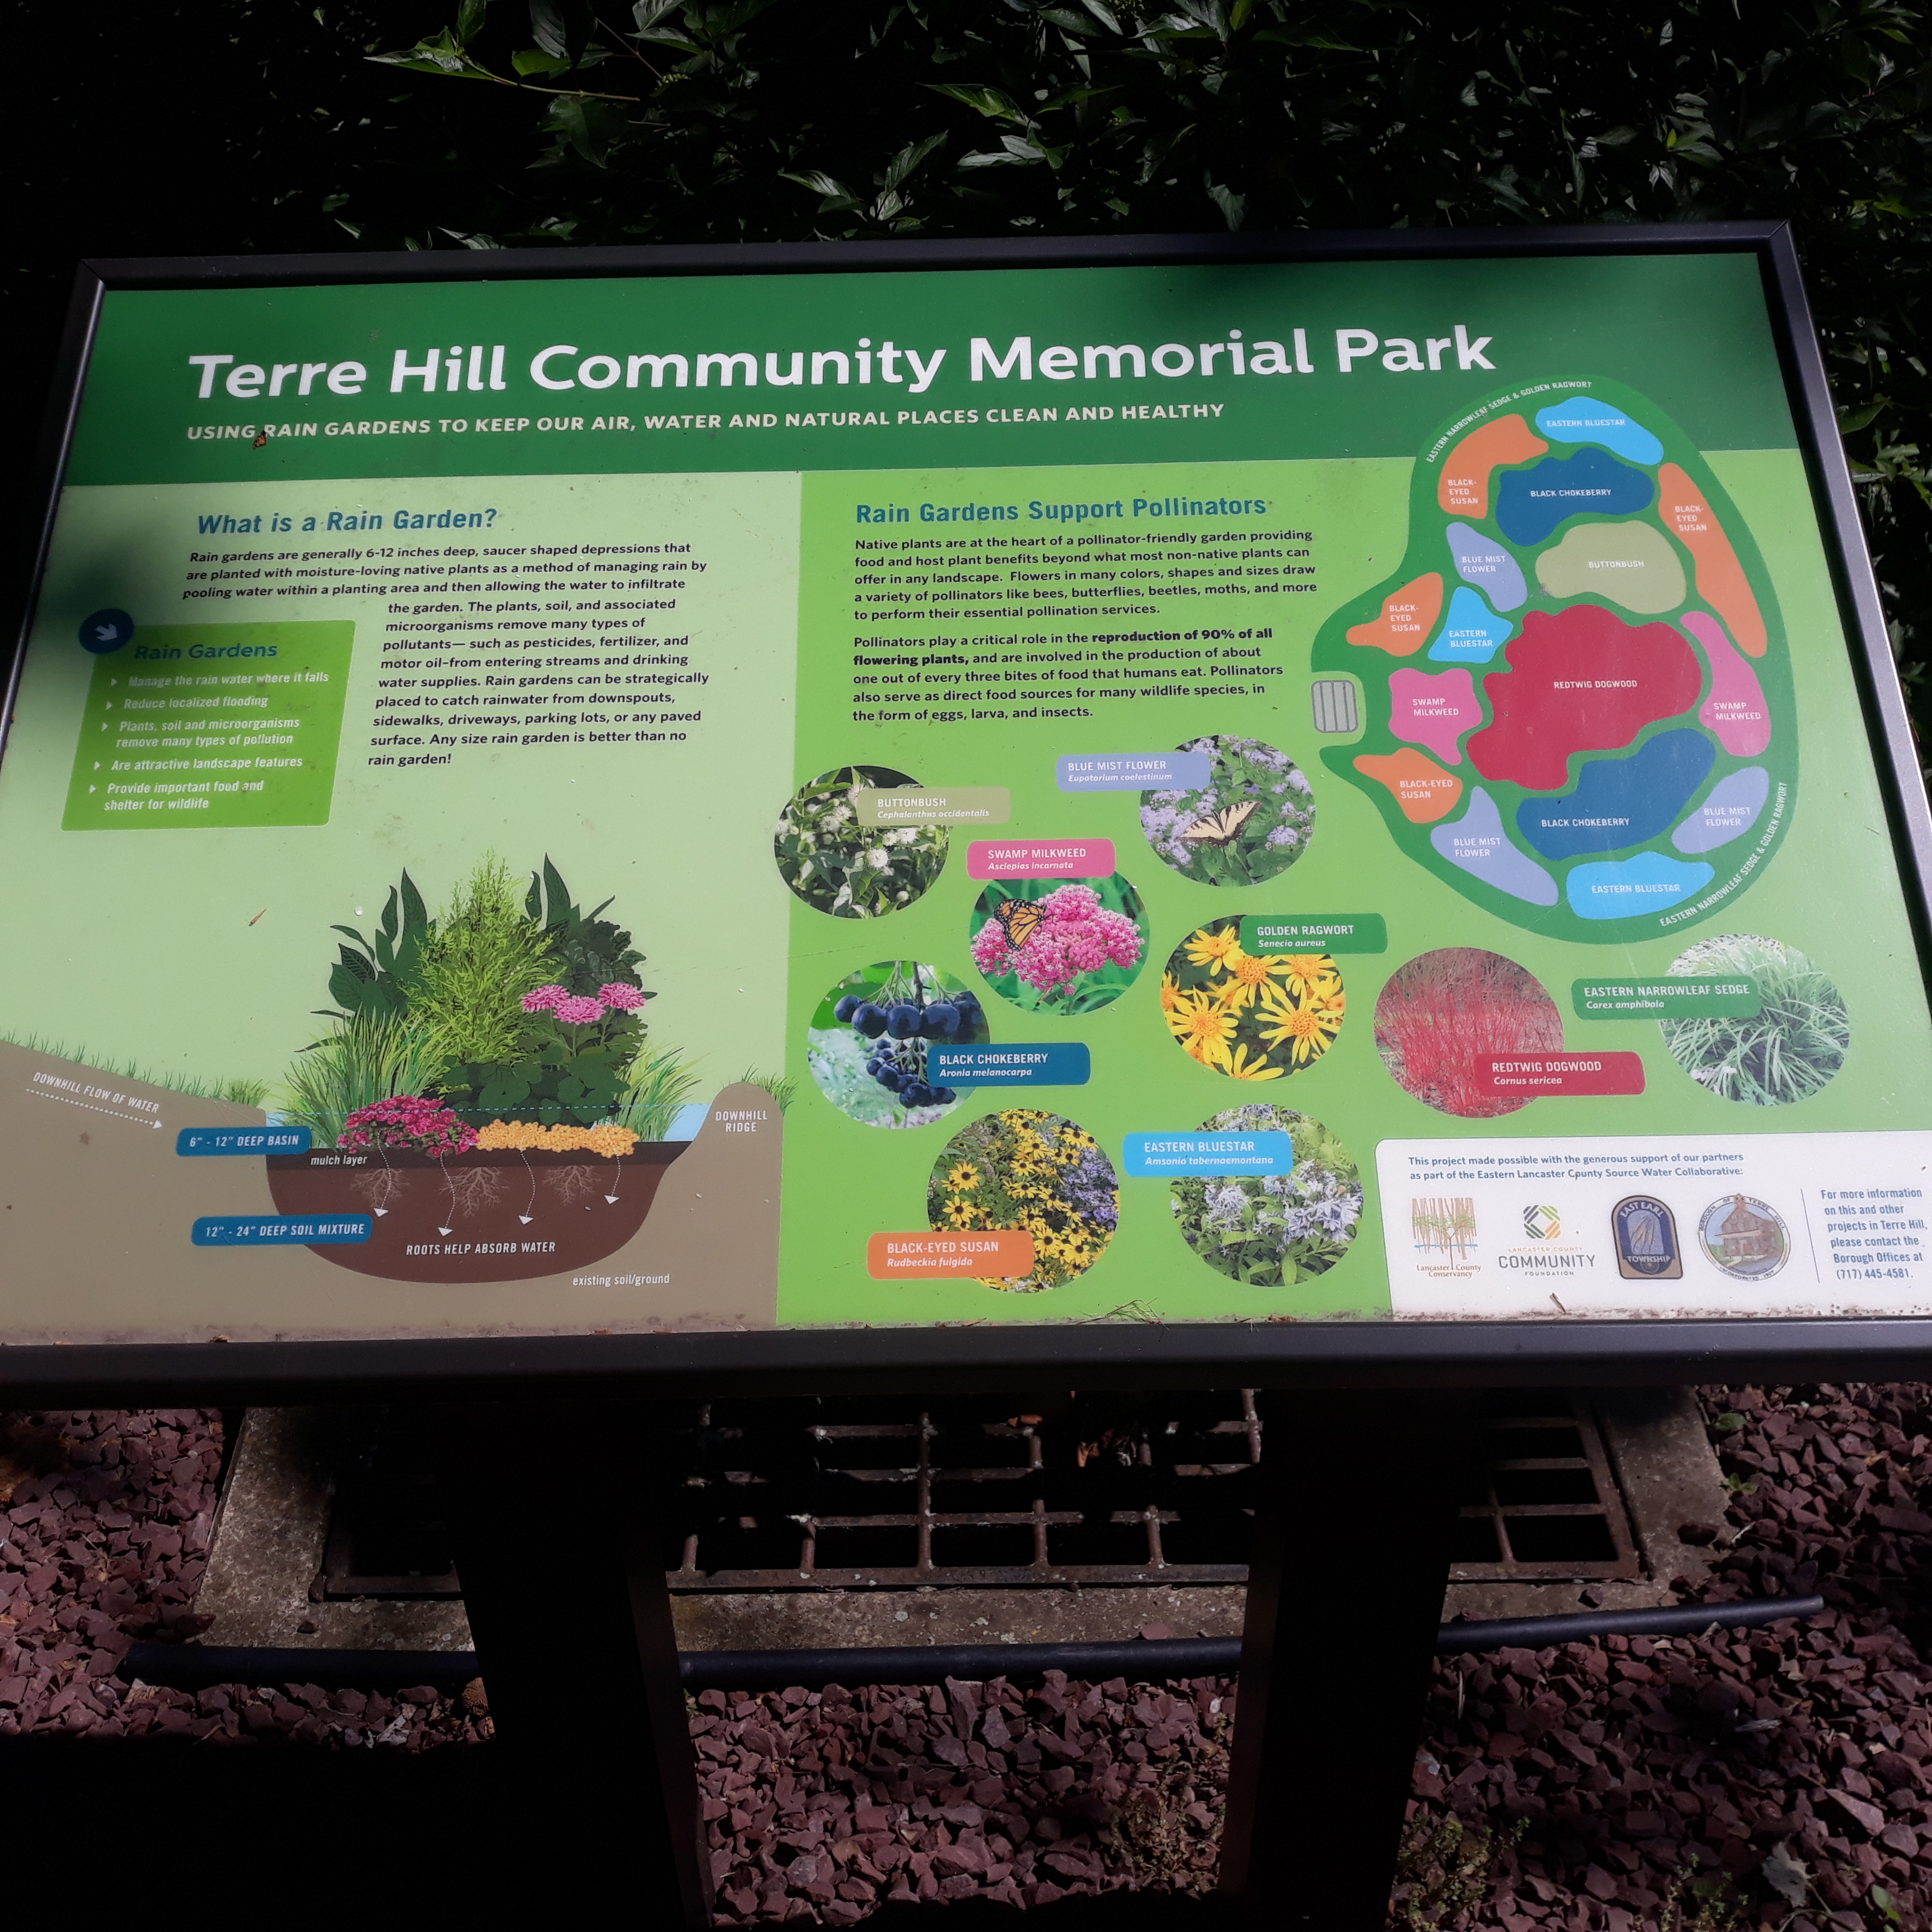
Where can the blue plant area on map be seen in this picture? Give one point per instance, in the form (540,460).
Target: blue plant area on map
(1472,634)
(1728,813)
(1531,502)
(1619,801)
(1477,844)
(1623,888)
(1482,561)
(1581,420)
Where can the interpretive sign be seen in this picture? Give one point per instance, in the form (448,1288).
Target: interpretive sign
(1341,779)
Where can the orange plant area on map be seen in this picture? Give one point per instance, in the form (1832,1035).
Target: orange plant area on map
(1424,790)
(998,1254)
(1464,489)
(1408,617)
(1720,577)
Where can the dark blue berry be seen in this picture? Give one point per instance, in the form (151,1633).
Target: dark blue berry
(869,1020)
(916,1093)
(943,1097)
(846,1008)
(941,1022)
(888,1076)
(902,1021)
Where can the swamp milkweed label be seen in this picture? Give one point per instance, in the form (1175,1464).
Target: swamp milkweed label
(999,1254)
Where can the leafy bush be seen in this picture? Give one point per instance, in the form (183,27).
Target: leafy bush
(370,1056)
(1793,1046)
(1272,1231)
(838,866)
(479,960)
(1254,794)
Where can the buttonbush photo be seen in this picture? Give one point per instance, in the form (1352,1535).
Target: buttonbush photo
(870,1037)
(1024,1170)
(1253,819)
(1794,1046)
(1060,946)
(851,871)
(1250,1016)
(1273,1230)
(1441,1017)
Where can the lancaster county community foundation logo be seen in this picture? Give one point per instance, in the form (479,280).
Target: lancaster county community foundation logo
(1744,1236)
(1542,1224)
(1645,1231)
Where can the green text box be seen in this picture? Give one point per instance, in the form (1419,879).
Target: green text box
(952,805)
(1264,932)
(211,725)
(1611,998)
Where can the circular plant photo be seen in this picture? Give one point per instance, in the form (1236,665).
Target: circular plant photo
(851,871)
(1792,1047)
(868,1042)
(1440,1018)
(1253,819)
(1059,945)
(1023,1171)
(1252,1016)
(1273,1230)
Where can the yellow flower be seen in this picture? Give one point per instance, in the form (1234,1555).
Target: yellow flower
(1170,992)
(963,1178)
(1209,947)
(1307,1029)
(1308,973)
(1240,1067)
(961,1213)
(1247,975)
(1204,1029)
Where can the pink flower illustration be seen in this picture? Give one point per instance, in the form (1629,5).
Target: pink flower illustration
(625,999)
(408,1121)
(579,1010)
(545,999)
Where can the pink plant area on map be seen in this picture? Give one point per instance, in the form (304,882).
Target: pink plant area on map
(1580,680)
(1435,709)
(1736,712)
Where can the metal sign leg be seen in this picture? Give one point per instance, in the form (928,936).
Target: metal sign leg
(1359,1492)
(564,1586)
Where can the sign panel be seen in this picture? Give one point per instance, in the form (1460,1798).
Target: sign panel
(567,806)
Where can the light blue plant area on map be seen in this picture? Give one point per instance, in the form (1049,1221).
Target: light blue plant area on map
(1482,561)
(1472,634)
(1618,802)
(1478,843)
(1623,888)
(1728,813)
(1581,420)
(1531,503)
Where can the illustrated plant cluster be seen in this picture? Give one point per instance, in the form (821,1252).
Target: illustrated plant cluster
(1252,820)
(1021,1170)
(514,1015)
(1250,1016)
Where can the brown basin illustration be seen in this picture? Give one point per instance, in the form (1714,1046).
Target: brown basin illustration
(494,1216)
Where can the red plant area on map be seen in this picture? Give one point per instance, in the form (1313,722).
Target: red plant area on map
(1579,680)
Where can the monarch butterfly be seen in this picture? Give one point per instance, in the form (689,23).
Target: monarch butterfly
(1220,828)
(1019,919)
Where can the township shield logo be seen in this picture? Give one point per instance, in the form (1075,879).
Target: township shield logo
(1645,1231)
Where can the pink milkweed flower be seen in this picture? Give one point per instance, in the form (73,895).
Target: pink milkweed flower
(545,999)
(579,1010)
(625,999)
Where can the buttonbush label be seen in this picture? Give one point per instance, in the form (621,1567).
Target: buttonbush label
(957,805)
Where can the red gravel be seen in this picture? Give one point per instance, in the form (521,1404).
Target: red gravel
(104,1519)
(1621,1768)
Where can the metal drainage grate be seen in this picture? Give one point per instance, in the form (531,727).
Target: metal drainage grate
(1550,1509)
(1003,1492)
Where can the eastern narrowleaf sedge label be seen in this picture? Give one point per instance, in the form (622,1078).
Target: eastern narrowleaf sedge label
(1263,933)
(1665,998)
(956,804)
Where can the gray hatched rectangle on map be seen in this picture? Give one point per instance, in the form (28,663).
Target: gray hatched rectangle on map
(1335,708)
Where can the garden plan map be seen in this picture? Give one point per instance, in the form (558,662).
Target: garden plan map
(1250,791)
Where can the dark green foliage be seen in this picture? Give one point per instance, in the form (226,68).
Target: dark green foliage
(734,121)
(595,951)
(377,976)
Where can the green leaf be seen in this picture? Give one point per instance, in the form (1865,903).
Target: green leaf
(440,55)
(470,17)
(1728,1423)
(534,60)
(503,1094)
(987,100)
(909,158)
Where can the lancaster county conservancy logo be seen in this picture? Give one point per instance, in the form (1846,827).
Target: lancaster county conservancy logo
(1744,1236)
(1444,1228)
(1542,1224)
(1646,1237)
